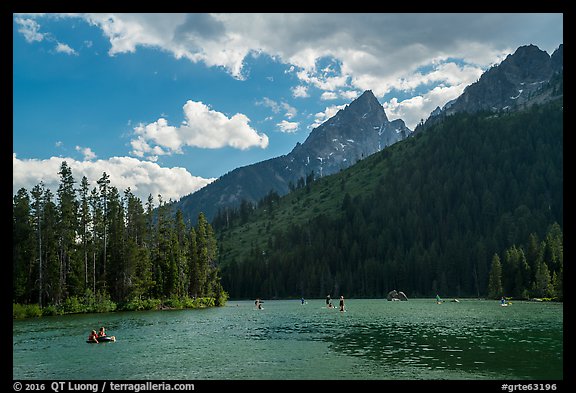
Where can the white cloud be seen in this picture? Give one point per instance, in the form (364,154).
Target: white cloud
(419,107)
(64,48)
(300,91)
(374,44)
(291,112)
(349,94)
(202,127)
(196,37)
(447,73)
(447,80)
(328,95)
(29,28)
(323,82)
(143,177)
(373,51)
(86,152)
(276,107)
(289,127)
(269,103)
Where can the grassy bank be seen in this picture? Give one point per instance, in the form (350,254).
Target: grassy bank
(75,305)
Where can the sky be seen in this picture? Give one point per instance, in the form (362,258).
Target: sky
(167,103)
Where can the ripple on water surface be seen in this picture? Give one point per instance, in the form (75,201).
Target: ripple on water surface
(374,339)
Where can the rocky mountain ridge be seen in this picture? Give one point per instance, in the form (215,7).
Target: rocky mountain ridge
(526,77)
(355,132)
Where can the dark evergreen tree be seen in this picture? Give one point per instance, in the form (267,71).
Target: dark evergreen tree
(103,250)
(103,185)
(23,248)
(38,218)
(70,281)
(495,289)
(85,219)
(97,235)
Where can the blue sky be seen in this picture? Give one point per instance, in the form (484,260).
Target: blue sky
(166,103)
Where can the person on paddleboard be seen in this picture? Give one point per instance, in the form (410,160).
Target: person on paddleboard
(341,303)
(258,304)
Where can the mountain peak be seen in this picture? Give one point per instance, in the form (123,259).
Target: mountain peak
(355,132)
(367,95)
(521,79)
(527,49)
(365,103)
(528,62)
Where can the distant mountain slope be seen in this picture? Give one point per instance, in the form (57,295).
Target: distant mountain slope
(526,77)
(355,132)
(428,213)
(424,216)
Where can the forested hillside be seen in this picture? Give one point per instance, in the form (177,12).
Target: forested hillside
(428,214)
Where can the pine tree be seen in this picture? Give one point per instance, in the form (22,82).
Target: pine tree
(67,228)
(542,285)
(534,254)
(203,253)
(85,221)
(23,247)
(138,268)
(117,269)
(181,253)
(495,290)
(50,258)
(103,185)
(554,250)
(161,251)
(193,270)
(38,208)
(97,224)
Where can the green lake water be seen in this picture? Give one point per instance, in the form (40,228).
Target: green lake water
(374,339)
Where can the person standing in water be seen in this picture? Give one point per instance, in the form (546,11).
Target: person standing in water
(328,301)
(341,303)
(258,304)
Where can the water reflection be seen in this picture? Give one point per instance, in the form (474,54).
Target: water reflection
(475,350)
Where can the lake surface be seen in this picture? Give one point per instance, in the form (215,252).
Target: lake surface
(373,339)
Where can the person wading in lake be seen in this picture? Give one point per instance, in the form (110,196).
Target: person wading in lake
(341,303)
